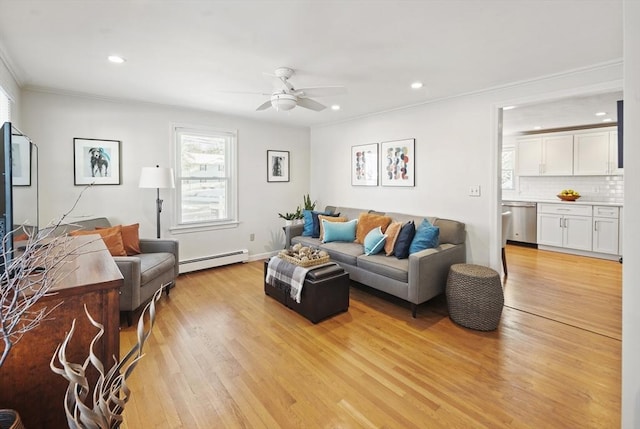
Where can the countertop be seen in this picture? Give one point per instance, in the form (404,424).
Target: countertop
(559,201)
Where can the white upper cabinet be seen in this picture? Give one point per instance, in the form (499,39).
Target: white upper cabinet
(595,154)
(549,155)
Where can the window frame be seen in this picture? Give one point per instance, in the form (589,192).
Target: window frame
(511,149)
(231,177)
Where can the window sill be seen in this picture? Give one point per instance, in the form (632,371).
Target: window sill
(186,229)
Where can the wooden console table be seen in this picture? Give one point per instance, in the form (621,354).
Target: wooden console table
(27,384)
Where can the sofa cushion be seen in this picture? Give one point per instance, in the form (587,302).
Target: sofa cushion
(130,238)
(343,252)
(392,234)
(112,238)
(369,221)
(339,231)
(306,241)
(153,265)
(451,231)
(329,219)
(397,269)
(403,242)
(374,241)
(348,212)
(426,237)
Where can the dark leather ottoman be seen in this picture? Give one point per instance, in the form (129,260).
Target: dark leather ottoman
(325,292)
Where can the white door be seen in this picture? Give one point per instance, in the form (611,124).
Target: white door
(605,235)
(557,155)
(550,229)
(577,232)
(591,154)
(529,156)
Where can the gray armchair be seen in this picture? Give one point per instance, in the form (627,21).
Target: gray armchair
(157,266)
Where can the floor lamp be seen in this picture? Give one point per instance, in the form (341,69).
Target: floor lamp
(156,177)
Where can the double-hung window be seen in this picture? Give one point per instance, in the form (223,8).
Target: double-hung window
(207,192)
(508,167)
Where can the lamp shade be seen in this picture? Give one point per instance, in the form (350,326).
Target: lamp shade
(156,177)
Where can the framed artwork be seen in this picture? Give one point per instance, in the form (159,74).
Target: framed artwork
(277,166)
(20,161)
(96,162)
(397,159)
(364,165)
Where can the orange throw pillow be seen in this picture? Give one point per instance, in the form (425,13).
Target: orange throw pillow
(369,221)
(112,238)
(328,219)
(130,238)
(392,234)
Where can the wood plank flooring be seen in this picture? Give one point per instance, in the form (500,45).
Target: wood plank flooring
(224,355)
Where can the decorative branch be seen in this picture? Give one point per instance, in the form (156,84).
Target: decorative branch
(110,393)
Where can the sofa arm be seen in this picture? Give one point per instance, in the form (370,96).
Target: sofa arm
(291,231)
(129,266)
(429,269)
(167,245)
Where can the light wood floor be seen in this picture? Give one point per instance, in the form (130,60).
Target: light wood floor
(224,355)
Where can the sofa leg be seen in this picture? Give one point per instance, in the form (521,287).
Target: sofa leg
(414,309)
(129,315)
(168,287)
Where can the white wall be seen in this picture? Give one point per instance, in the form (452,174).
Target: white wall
(53,120)
(631,249)
(456,146)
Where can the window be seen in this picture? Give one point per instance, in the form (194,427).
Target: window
(508,167)
(5,107)
(206,177)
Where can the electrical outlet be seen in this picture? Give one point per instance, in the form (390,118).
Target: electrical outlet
(252,236)
(474,190)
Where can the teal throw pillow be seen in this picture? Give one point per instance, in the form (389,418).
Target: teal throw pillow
(374,241)
(427,237)
(307,230)
(339,231)
(401,248)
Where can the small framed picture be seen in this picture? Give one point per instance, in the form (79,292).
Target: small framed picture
(96,162)
(364,165)
(397,163)
(20,161)
(277,166)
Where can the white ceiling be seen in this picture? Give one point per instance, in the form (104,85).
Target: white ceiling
(191,53)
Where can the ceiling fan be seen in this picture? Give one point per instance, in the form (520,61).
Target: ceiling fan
(287,96)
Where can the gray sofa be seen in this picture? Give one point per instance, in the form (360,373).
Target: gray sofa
(417,279)
(144,273)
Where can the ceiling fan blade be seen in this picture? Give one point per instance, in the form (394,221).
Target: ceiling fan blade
(321,91)
(265,105)
(311,104)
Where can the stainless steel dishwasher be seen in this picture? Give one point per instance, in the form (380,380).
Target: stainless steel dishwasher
(524,221)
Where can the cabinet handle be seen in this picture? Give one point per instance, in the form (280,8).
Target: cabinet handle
(595,225)
(565,222)
(561,223)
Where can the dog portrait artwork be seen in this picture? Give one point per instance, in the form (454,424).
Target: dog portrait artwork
(99,160)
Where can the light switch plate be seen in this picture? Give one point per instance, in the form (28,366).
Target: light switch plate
(474,190)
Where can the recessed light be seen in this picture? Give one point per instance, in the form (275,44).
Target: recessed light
(116,59)
(537,127)
(508,107)
(601,113)
(607,120)
(335,107)
(416,85)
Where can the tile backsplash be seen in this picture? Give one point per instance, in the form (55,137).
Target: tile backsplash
(592,188)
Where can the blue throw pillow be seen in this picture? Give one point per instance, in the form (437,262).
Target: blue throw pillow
(315,233)
(401,248)
(374,241)
(307,230)
(339,231)
(427,237)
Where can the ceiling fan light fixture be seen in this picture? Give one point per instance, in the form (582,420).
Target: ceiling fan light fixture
(283,101)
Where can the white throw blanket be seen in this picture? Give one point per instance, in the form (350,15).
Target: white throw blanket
(289,273)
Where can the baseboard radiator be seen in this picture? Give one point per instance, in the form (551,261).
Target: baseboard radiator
(212,261)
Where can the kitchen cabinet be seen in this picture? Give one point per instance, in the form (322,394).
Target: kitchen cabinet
(566,226)
(547,155)
(605,229)
(595,153)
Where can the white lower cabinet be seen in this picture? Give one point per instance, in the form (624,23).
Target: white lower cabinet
(564,225)
(580,227)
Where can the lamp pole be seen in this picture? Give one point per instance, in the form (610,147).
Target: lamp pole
(159,210)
